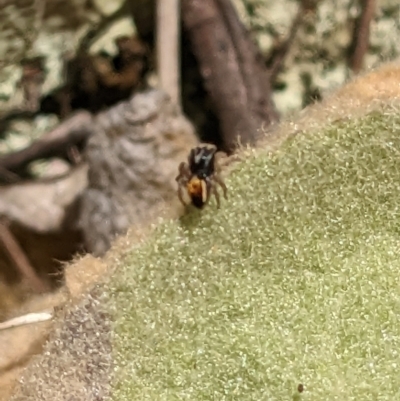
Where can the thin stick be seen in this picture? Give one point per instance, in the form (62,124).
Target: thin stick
(168,47)
(279,55)
(20,260)
(361,35)
(73,130)
(26,319)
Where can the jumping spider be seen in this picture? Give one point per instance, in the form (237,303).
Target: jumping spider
(200,175)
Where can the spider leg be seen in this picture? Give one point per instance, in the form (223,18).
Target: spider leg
(220,160)
(218,168)
(182,179)
(216,194)
(183,172)
(180,196)
(220,181)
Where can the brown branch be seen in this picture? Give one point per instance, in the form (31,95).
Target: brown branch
(144,14)
(247,51)
(360,41)
(233,73)
(20,260)
(7,116)
(279,54)
(56,142)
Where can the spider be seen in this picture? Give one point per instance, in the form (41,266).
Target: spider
(200,175)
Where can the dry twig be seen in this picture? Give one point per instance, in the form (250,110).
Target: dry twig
(27,319)
(57,142)
(279,54)
(361,35)
(168,39)
(20,260)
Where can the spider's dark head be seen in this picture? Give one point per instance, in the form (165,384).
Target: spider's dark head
(201,161)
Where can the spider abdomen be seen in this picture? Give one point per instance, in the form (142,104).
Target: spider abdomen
(198,192)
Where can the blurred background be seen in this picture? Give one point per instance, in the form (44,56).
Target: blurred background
(90,143)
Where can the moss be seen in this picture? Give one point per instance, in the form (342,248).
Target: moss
(294,280)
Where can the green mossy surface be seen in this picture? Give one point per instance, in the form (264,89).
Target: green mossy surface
(294,280)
